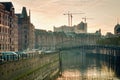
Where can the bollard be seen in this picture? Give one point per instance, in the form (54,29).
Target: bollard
(7,58)
(13,57)
(22,56)
(1,59)
(18,57)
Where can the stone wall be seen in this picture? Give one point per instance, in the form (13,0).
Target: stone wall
(39,67)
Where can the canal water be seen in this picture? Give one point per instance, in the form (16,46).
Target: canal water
(76,65)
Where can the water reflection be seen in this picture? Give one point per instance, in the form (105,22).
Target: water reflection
(79,66)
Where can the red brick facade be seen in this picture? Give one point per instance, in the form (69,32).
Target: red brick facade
(8,28)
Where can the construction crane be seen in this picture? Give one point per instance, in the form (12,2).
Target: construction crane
(85,18)
(70,16)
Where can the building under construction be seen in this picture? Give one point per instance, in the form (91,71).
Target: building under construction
(80,28)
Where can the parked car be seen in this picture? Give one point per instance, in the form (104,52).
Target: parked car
(22,54)
(1,60)
(8,56)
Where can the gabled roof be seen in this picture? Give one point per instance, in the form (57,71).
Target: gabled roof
(117,26)
(18,15)
(8,5)
(24,12)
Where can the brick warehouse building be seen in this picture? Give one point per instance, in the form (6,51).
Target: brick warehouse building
(48,40)
(8,27)
(25,31)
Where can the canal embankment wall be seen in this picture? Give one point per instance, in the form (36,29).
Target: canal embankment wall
(111,56)
(36,67)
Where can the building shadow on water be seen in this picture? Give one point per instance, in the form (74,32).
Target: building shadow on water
(78,65)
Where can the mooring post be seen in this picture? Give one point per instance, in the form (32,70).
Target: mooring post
(60,63)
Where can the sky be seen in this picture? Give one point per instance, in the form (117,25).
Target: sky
(45,14)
